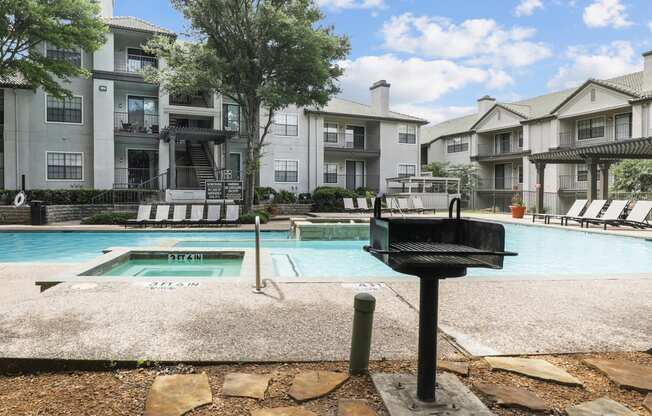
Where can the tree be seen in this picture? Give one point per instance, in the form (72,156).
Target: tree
(262,54)
(438,169)
(65,24)
(634,176)
(468,175)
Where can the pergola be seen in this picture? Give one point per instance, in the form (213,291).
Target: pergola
(195,134)
(596,157)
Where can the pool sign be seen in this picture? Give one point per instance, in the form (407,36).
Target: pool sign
(185,258)
(224,190)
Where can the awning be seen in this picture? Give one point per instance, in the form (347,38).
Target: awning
(196,134)
(605,152)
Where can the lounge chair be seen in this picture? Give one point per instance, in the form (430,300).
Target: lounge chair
(392,205)
(574,212)
(636,218)
(417,204)
(404,205)
(614,212)
(213,216)
(363,205)
(142,218)
(348,205)
(162,214)
(232,214)
(594,209)
(179,214)
(196,214)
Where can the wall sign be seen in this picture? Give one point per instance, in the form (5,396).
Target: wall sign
(224,190)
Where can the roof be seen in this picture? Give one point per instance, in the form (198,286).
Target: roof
(14,81)
(537,107)
(340,106)
(137,24)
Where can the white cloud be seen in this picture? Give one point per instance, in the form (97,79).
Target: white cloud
(607,61)
(649,25)
(498,79)
(351,4)
(482,41)
(434,114)
(527,7)
(603,13)
(413,80)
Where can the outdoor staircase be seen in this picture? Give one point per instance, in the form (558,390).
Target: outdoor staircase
(202,164)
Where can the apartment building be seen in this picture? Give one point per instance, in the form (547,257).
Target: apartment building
(553,148)
(118,131)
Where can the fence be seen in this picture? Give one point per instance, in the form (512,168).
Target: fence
(352,182)
(136,123)
(501,201)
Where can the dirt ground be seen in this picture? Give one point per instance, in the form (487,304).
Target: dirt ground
(123,391)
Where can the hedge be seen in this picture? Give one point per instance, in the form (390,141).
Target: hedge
(329,198)
(109,218)
(250,218)
(64,196)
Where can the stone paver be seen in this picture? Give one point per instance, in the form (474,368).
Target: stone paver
(246,385)
(313,384)
(354,408)
(624,373)
(647,403)
(177,394)
(458,367)
(283,411)
(600,407)
(535,368)
(512,397)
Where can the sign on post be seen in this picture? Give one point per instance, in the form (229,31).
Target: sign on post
(224,190)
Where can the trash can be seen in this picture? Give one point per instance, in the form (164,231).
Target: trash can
(38,212)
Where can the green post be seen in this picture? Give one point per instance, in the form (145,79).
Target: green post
(363,318)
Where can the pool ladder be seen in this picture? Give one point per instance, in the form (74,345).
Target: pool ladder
(258,287)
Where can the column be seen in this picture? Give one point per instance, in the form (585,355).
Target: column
(592,178)
(604,180)
(541,168)
(173,162)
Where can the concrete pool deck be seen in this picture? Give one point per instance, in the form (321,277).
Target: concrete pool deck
(215,321)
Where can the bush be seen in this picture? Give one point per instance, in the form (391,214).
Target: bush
(285,197)
(329,199)
(108,218)
(250,218)
(64,196)
(263,194)
(305,197)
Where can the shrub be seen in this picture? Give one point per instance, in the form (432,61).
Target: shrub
(305,197)
(263,194)
(65,196)
(329,199)
(250,218)
(285,197)
(108,218)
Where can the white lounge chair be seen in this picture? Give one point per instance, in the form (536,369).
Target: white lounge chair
(179,214)
(613,213)
(574,212)
(637,217)
(348,205)
(417,204)
(196,214)
(594,209)
(142,218)
(232,214)
(403,204)
(162,214)
(363,205)
(214,214)
(392,205)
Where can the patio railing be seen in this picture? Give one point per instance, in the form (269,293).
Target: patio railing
(136,123)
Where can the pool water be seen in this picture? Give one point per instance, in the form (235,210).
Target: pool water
(163,268)
(542,251)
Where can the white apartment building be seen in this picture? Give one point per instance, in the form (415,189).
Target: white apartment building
(120,132)
(553,148)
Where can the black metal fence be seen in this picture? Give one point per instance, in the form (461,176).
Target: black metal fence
(135,64)
(136,123)
(352,182)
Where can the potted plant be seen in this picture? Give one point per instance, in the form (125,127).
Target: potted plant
(517,207)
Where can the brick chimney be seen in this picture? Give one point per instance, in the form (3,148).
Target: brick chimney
(380,96)
(647,71)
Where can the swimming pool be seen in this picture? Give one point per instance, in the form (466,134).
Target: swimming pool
(542,251)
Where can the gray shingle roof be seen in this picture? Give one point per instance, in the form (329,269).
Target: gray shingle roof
(135,23)
(536,107)
(14,81)
(346,107)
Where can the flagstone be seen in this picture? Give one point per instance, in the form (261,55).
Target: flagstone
(457,367)
(313,384)
(354,408)
(600,407)
(624,373)
(283,411)
(512,397)
(246,385)
(175,395)
(535,368)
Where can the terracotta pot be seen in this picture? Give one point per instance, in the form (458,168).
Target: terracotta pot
(518,211)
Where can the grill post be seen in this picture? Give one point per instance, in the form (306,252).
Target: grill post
(427,365)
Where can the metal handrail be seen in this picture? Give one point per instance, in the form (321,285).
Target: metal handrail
(258,288)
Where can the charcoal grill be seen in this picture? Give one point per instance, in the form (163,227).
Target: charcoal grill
(434,249)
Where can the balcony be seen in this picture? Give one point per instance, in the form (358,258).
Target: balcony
(571,183)
(347,144)
(499,184)
(188,100)
(492,152)
(134,64)
(136,124)
(604,134)
(352,182)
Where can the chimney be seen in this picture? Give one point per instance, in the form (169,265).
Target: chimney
(380,96)
(647,71)
(484,104)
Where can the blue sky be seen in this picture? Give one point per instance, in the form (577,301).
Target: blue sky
(441,55)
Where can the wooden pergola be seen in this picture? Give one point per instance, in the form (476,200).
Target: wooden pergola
(597,157)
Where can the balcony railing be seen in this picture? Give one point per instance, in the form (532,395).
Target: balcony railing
(488,150)
(138,178)
(572,183)
(187,100)
(354,142)
(507,183)
(135,64)
(609,133)
(352,182)
(134,123)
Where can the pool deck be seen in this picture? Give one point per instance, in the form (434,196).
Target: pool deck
(220,322)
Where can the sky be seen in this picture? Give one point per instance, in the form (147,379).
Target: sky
(440,56)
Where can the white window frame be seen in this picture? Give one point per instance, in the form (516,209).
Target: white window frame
(326,172)
(286,114)
(81,53)
(63,122)
(47,179)
(337,127)
(286,160)
(398,169)
(577,128)
(631,124)
(416,134)
(457,143)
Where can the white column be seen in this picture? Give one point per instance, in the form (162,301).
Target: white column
(103,137)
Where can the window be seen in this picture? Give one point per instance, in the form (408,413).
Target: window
(138,59)
(456,145)
(623,126)
(407,169)
(582,173)
(67,110)
(231,117)
(503,143)
(286,124)
(330,173)
(330,132)
(520,173)
(64,166)
(286,171)
(70,55)
(591,128)
(354,137)
(520,139)
(407,134)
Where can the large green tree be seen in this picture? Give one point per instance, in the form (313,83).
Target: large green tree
(26,24)
(634,176)
(263,54)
